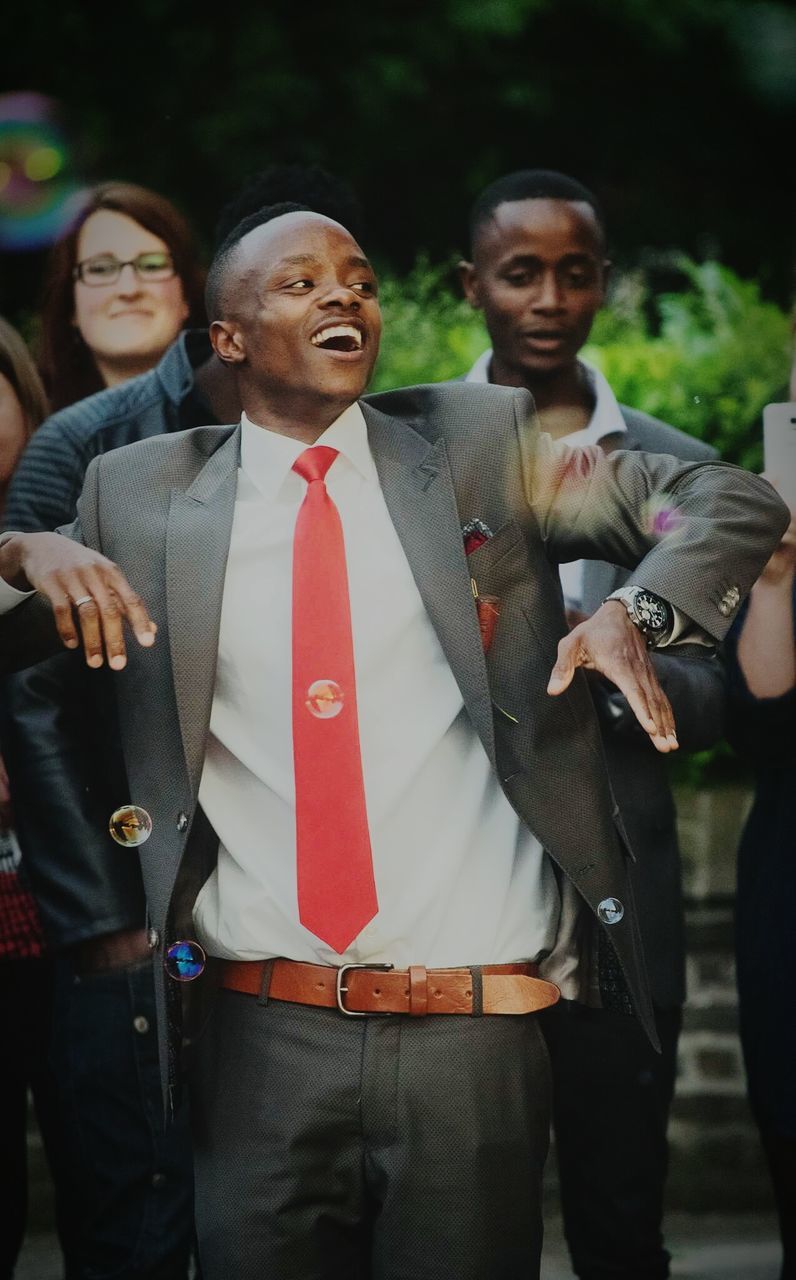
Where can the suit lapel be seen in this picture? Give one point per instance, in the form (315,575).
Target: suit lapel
(416,481)
(197,546)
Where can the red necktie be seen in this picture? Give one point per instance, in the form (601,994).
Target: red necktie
(334,865)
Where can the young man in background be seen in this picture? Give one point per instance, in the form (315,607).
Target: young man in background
(539,272)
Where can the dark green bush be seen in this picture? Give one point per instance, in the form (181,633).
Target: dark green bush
(719,355)
(706,359)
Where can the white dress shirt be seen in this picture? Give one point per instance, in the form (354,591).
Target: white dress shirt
(460,879)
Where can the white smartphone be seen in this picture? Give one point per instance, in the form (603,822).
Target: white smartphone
(779,449)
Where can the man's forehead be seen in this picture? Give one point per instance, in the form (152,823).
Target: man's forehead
(541,219)
(297,238)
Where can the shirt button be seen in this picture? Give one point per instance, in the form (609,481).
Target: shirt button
(141,1024)
(158,1180)
(610,911)
(182,822)
(153,938)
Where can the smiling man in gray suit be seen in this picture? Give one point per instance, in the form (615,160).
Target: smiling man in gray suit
(539,274)
(410,1140)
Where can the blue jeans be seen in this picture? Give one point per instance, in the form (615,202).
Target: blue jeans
(134,1176)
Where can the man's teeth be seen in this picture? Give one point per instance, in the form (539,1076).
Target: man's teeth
(337,331)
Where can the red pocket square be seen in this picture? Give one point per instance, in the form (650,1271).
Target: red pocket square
(475,534)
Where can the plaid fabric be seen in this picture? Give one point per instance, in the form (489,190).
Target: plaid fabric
(20,929)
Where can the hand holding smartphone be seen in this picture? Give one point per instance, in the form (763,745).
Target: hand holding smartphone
(779,449)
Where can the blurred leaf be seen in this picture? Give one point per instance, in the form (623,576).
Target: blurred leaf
(430,335)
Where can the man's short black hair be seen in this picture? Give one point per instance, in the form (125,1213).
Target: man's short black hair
(307,184)
(214,289)
(530,184)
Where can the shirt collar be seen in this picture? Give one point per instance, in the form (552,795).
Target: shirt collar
(606,419)
(266,457)
(480,370)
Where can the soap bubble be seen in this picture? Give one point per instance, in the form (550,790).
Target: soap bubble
(130,826)
(185,960)
(39,200)
(662,517)
(324,699)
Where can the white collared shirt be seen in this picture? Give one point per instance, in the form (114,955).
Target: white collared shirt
(606,420)
(460,880)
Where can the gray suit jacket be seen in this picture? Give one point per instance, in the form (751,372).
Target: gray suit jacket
(163,509)
(695,687)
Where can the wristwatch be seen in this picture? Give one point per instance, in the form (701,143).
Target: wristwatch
(652,615)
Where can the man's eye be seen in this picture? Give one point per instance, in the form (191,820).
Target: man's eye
(300,284)
(579,278)
(365,286)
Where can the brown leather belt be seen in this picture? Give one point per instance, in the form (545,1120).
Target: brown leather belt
(359,990)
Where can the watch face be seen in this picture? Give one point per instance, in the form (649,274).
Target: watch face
(651,612)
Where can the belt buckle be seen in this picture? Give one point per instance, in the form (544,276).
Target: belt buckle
(340,990)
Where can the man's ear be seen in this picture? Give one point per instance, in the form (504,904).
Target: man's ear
(227,342)
(469,282)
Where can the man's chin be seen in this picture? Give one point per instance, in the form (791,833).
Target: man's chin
(347,382)
(542,368)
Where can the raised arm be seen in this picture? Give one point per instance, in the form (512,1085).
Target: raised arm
(721,523)
(762,656)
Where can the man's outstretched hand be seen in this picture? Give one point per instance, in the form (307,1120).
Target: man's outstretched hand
(89,594)
(608,642)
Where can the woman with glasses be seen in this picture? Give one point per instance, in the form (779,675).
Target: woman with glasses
(120,287)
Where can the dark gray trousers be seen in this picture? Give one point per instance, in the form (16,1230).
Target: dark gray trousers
(389,1148)
(612,1095)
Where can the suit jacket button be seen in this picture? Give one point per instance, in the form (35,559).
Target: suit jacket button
(729,601)
(610,911)
(153,938)
(182,822)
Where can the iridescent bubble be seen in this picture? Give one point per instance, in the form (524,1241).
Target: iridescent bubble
(324,699)
(130,826)
(663,517)
(39,200)
(185,960)
(42,163)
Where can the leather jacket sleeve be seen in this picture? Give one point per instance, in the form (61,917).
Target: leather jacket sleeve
(60,741)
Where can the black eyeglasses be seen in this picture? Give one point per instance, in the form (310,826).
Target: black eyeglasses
(105,269)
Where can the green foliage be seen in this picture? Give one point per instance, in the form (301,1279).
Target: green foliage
(706,360)
(430,334)
(662,109)
(714,767)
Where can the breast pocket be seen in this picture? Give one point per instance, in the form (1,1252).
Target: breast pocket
(496,563)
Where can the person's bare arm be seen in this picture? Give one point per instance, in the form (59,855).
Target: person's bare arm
(767,644)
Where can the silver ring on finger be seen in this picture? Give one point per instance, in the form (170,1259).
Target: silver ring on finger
(83,600)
